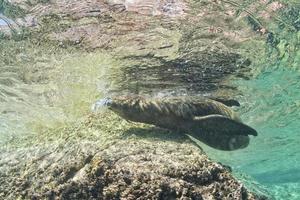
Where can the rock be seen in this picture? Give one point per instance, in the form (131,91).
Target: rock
(125,170)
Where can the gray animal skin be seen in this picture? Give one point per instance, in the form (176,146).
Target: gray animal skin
(207,120)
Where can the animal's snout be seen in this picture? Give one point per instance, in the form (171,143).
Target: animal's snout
(101,103)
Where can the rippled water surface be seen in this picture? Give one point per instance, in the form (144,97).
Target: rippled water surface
(62,89)
(41,89)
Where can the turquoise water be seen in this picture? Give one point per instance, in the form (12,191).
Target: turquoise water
(271,104)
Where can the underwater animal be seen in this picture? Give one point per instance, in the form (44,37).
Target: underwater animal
(207,120)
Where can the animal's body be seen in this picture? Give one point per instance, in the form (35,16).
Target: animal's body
(208,120)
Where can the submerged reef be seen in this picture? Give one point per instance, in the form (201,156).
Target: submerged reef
(127,169)
(105,157)
(158,48)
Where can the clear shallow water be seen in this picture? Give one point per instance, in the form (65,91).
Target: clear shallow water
(48,90)
(57,90)
(271,104)
(62,90)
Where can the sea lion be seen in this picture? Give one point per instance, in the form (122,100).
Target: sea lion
(210,121)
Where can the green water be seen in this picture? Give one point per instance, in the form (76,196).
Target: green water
(46,89)
(42,89)
(67,85)
(271,104)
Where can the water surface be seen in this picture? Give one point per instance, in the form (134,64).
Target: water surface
(47,88)
(59,88)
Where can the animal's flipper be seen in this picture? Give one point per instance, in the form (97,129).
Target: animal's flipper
(223,125)
(225,101)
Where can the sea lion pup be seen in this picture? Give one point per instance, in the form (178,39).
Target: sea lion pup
(210,121)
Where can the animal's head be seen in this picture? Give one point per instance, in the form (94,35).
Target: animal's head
(105,102)
(127,107)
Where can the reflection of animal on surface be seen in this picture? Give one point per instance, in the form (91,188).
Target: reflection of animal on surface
(208,120)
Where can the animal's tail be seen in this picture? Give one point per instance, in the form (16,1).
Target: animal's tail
(224,125)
